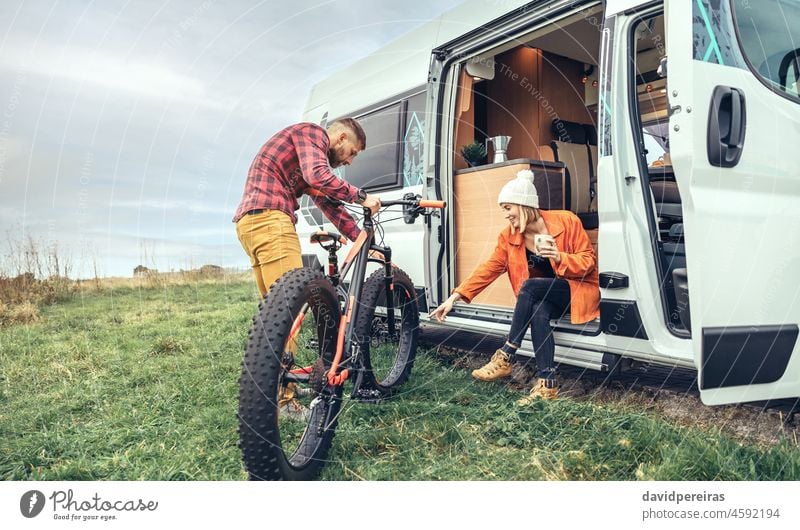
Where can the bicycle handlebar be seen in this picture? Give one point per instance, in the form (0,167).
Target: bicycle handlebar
(416,203)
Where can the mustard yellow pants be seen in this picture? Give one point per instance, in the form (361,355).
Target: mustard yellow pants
(270,240)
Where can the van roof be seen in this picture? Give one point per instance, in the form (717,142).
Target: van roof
(402,64)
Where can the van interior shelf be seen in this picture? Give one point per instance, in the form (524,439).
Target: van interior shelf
(533,163)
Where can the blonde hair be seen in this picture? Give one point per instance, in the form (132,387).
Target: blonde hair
(526,215)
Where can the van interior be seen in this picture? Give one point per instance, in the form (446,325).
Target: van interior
(542,91)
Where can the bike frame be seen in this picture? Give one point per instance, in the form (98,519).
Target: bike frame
(347,347)
(347,356)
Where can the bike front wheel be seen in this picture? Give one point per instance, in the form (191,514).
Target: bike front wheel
(388,351)
(287,411)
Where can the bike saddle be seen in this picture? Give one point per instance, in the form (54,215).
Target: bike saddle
(322,236)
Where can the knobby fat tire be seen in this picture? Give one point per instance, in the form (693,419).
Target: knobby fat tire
(259,435)
(372,296)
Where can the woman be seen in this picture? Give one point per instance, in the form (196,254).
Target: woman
(547,281)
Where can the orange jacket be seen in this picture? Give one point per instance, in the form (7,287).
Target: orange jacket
(578,265)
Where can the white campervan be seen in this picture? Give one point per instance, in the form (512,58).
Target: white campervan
(668,127)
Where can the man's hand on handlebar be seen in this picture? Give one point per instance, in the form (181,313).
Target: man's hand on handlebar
(372,202)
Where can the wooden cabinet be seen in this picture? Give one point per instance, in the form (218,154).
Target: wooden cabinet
(478,219)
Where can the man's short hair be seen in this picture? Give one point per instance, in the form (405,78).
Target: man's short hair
(354,127)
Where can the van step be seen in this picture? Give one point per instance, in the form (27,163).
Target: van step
(591,328)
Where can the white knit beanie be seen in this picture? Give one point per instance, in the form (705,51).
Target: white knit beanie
(520,190)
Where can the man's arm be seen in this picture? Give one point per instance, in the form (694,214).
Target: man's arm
(339,217)
(313,158)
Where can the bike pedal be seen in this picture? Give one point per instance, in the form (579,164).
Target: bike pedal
(366,395)
(303,392)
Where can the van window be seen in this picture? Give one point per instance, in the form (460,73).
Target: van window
(377,166)
(656,141)
(414,141)
(766,36)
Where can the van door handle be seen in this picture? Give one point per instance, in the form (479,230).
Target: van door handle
(727,124)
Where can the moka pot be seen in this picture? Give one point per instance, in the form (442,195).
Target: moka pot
(500,144)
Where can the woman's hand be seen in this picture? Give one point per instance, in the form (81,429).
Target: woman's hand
(551,251)
(440,313)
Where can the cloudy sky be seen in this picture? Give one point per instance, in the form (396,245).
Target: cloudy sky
(127,127)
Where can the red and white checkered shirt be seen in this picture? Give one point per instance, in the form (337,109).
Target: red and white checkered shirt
(291,162)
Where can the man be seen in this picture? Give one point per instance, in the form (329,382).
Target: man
(293,161)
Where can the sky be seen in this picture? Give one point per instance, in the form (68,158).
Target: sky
(127,127)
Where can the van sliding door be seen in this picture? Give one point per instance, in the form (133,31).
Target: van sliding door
(734,133)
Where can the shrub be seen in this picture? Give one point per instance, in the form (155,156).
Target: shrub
(25,288)
(211,271)
(23,313)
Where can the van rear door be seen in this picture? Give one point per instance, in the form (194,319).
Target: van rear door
(734,136)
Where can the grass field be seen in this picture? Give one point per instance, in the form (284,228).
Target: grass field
(141,384)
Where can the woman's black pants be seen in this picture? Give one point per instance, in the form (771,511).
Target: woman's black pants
(539,300)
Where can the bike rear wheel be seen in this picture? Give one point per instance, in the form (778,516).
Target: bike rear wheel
(287,411)
(388,357)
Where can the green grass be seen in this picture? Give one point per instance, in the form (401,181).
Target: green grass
(142,385)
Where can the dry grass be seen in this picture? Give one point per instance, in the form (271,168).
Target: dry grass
(153,279)
(32,274)
(35,274)
(22,313)
(26,288)
(23,296)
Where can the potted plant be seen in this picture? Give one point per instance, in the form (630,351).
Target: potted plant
(474,153)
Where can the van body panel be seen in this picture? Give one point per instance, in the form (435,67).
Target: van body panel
(396,69)
(740,221)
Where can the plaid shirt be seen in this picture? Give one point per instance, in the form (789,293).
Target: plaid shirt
(291,162)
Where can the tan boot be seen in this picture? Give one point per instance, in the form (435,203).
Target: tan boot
(288,406)
(540,390)
(497,368)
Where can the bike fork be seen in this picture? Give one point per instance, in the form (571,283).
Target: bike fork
(388,279)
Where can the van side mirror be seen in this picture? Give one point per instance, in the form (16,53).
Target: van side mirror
(662,67)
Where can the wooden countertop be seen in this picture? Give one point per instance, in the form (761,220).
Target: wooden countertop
(514,162)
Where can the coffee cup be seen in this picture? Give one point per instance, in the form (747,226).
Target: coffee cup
(541,241)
